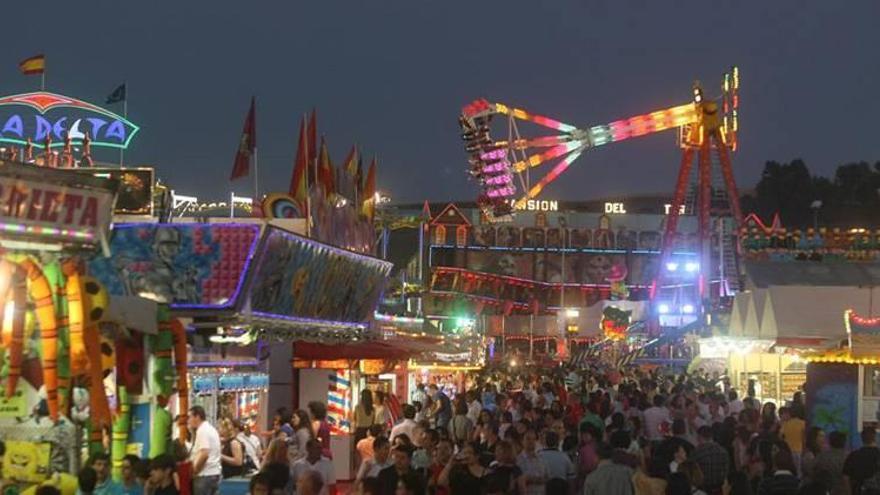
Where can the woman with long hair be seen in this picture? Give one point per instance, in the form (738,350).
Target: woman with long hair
(318,412)
(461,427)
(364,415)
(813,446)
(231,452)
(302,433)
(276,453)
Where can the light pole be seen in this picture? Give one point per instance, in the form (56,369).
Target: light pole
(815,206)
(563,223)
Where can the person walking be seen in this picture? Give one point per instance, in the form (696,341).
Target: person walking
(862,464)
(608,478)
(205,454)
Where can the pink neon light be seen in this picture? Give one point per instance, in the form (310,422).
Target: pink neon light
(556,172)
(497,167)
(503,191)
(498,180)
(538,119)
(494,155)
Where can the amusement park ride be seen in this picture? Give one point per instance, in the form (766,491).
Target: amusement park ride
(704,125)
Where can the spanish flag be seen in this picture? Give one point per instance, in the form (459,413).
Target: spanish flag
(33,65)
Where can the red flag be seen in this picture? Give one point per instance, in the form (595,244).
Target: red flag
(313,145)
(369,201)
(299,188)
(348,175)
(246,145)
(325,171)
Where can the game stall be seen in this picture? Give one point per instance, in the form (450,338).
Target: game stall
(75,360)
(843,384)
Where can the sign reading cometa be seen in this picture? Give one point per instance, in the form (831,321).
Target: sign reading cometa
(54,205)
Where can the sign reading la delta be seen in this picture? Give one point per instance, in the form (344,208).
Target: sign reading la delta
(36,116)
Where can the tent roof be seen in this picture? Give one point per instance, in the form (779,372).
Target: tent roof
(754,313)
(802,311)
(739,312)
(763,274)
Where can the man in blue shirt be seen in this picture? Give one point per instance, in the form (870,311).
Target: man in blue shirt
(100,462)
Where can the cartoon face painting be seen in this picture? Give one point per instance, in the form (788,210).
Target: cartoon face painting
(26,461)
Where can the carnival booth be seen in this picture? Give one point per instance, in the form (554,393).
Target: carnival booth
(238,283)
(74,360)
(843,384)
(772,330)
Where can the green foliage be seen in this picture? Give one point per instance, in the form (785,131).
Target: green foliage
(850,199)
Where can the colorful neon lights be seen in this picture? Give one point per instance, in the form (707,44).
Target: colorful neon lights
(556,172)
(518,113)
(404,320)
(568,145)
(72,117)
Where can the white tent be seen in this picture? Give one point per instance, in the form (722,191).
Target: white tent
(803,311)
(754,314)
(738,313)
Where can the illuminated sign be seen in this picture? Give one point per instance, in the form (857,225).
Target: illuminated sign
(135,196)
(42,203)
(535,205)
(615,208)
(668,207)
(36,116)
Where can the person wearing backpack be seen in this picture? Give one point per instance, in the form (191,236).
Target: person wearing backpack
(253,448)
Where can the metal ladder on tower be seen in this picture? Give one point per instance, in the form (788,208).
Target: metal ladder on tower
(730,275)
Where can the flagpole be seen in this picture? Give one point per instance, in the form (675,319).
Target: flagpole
(256,178)
(43,75)
(124,116)
(306,178)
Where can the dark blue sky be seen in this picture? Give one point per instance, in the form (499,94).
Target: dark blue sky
(392,76)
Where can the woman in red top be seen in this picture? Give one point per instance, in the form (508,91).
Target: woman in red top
(318,412)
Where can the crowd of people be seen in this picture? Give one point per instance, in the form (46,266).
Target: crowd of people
(605,431)
(523,432)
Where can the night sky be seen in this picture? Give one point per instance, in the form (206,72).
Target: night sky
(392,76)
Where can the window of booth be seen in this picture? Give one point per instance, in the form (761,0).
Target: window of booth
(871,384)
(440,235)
(461,235)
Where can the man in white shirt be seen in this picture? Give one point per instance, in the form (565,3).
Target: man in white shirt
(734,405)
(314,461)
(474,406)
(406,426)
(205,454)
(252,445)
(654,417)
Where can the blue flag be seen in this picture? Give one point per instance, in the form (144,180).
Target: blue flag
(117,95)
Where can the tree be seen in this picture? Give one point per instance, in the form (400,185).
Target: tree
(851,199)
(787,189)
